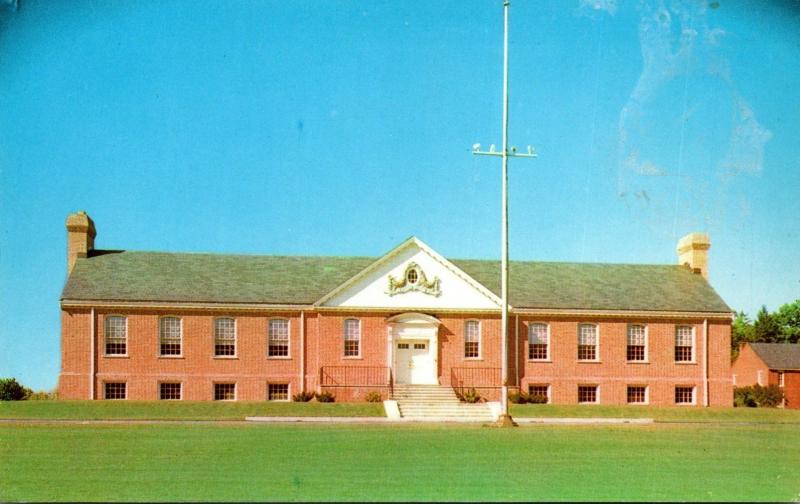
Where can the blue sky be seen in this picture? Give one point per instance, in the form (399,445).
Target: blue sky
(342,128)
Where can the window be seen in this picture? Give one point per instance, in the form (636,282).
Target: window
(169,391)
(352,338)
(412,276)
(538,342)
(116,333)
(759,376)
(587,393)
(587,342)
(540,390)
(402,346)
(278,392)
(472,339)
(115,390)
(637,343)
(224,391)
(780,379)
(637,394)
(684,340)
(278,338)
(420,346)
(684,395)
(170,336)
(224,337)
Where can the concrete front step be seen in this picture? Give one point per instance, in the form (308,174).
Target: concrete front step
(437,402)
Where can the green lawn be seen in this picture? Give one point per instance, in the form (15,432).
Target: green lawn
(209,410)
(179,410)
(207,462)
(660,414)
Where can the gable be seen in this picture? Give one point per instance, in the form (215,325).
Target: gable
(412,276)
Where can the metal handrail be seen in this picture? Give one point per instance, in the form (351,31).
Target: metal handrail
(355,376)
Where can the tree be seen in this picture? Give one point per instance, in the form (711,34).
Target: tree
(788,319)
(766,328)
(10,390)
(742,331)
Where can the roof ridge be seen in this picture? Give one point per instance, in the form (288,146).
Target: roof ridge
(99,252)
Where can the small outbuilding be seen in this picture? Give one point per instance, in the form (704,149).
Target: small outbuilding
(770,364)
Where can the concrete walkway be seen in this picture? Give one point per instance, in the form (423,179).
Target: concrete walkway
(520,421)
(333,420)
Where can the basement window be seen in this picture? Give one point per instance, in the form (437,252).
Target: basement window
(278,392)
(116,335)
(540,390)
(684,395)
(224,391)
(115,390)
(587,394)
(169,391)
(637,394)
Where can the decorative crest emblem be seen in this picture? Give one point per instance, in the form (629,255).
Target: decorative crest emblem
(414,279)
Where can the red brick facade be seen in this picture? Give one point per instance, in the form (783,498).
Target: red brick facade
(749,369)
(320,346)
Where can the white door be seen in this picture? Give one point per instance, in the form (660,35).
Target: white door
(414,363)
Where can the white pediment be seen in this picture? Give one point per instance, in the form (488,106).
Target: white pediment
(434,283)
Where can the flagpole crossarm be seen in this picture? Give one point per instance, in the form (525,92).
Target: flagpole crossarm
(531,153)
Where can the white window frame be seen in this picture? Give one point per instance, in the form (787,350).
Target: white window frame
(646,394)
(694,395)
(549,339)
(596,393)
(235,338)
(549,389)
(180,325)
(760,378)
(345,340)
(106,318)
(596,344)
(694,345)
(780,379)
(105,391)
(180,387)
(214,391)
(646,344)
(288,392)
(480,339)
(288,338)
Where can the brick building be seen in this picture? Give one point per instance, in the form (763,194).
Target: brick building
(147,326)
(770,364)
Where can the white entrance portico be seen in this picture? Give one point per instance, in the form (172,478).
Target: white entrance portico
(413,348)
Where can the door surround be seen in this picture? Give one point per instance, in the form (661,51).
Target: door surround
(413,326)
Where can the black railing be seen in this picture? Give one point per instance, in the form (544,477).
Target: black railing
(465,378)
(355,376)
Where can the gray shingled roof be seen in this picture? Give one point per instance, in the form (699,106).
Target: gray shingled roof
(778,355)
(216,278)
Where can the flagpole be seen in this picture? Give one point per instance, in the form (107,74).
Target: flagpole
(505,418)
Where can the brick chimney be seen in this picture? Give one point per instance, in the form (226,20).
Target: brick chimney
(693,252)
(80,237)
